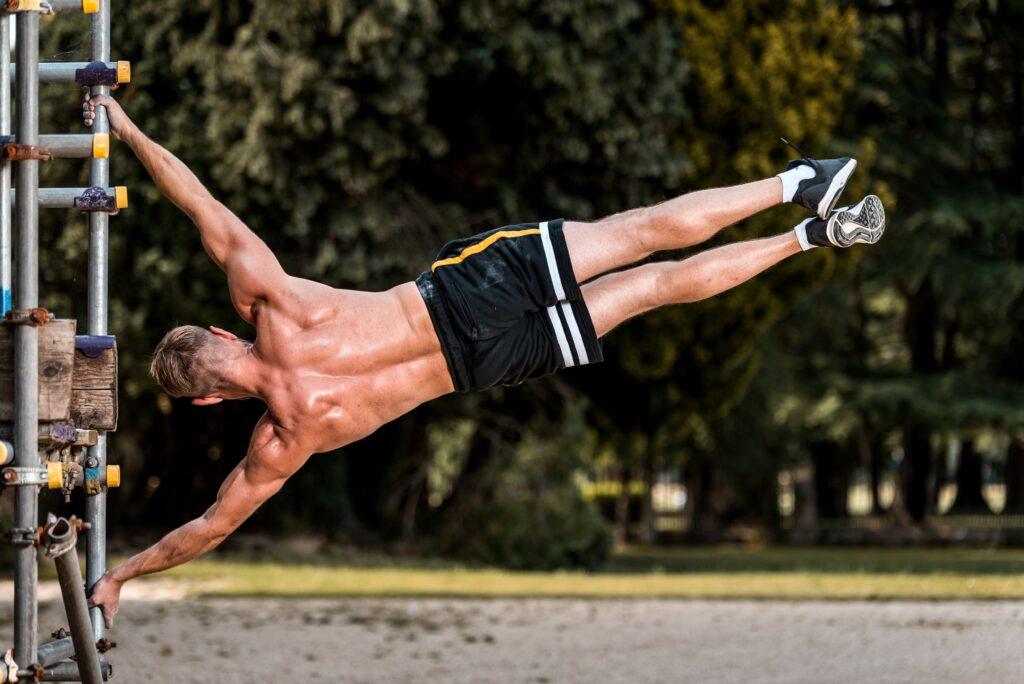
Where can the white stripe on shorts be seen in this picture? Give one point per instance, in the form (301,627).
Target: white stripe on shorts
(549,253)
(563,343)
(577,338)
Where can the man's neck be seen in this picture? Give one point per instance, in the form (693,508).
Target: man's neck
(247,376)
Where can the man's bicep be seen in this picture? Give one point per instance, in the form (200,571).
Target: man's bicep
(252,269)
(260,475)
(238,498)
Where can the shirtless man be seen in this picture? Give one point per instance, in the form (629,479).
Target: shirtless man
(334,365)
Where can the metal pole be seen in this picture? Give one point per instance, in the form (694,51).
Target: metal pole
(26,341)
(99,173)
(55,651)
(68,672)
(63,538)
(5,166)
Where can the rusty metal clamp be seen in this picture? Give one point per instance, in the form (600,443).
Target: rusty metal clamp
(59,535)
(37,316)
(12,667)
(19,475)
(22,152)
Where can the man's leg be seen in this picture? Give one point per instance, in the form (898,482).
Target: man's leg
(626,238)
(618,297)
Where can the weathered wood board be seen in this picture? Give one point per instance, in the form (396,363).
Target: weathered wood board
(94,383)
(56,361)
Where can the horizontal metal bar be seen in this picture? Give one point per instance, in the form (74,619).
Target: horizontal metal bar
(83,6)
(67,671)
(83,199)
(70,145)
(83,73)
(48,6)
(55,434)
(54,651)
(25,476)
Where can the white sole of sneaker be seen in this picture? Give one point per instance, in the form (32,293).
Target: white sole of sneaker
(864,223)
(828,200)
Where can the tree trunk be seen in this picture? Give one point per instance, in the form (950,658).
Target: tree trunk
(1014,479)
(969,499)
(622,508)
(873,457)
(831,480)
(917,460)
(938,481)
(919,329)
(704,524)
(648,532)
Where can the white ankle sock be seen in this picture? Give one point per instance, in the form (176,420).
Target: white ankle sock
(801,234)
(791,179)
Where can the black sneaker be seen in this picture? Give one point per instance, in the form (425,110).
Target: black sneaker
(821,192)
(864,223)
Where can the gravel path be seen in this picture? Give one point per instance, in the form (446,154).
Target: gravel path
(164,639)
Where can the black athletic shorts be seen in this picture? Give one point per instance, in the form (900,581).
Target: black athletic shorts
(506,306)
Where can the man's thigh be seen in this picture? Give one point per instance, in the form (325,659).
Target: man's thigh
(602,246)
(617,297)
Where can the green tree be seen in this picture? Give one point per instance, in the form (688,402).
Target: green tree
(758,71)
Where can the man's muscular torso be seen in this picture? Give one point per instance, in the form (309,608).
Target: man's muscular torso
(342,363)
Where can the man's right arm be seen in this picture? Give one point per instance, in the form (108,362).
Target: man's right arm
(252,269)
(270,461)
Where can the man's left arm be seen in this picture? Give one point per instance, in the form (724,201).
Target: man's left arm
(270,461)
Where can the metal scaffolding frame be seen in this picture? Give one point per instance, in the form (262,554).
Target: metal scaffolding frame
(22,150)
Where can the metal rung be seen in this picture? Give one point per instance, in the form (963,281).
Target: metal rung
(109,200)
(67,671)
(83,6)
(47,6)
(83,73)
(69,146)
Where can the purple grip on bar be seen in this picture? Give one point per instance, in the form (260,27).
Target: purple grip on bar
(63,432)
(94,345)
(96,199)
(96,74)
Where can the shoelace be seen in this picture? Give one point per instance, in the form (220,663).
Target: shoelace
(801,152)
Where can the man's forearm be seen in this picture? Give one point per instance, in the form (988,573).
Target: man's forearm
(173,178)
(180,546)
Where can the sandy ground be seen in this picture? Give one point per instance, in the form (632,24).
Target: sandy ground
(164,638)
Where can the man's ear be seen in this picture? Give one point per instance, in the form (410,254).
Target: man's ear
(207,401)
(220,332)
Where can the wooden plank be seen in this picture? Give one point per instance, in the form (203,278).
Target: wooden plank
(94,385)
(56,362)
(95,372)
(93,409)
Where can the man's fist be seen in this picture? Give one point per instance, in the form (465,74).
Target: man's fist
(107,595)
(115,115)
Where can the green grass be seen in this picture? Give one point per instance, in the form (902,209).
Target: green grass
(691,573)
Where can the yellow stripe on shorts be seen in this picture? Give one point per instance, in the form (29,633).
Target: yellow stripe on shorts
(482,245)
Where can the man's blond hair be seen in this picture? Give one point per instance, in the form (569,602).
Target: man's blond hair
(179,362)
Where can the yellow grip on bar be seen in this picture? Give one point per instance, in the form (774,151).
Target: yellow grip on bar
(124,71)
(100,146)
(90,6)
(25,6)
(121,196)
(6,452)
(113,476)
(54,475)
